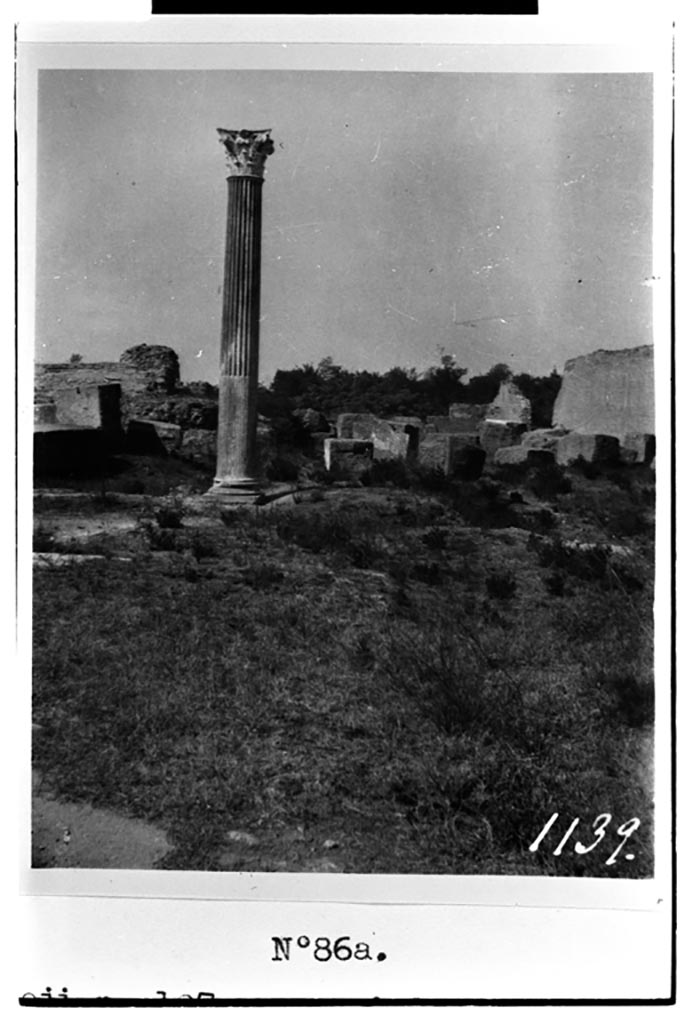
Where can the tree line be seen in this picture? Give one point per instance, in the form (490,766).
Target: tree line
(331,389)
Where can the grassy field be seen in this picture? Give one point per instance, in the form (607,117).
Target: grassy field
(382,679)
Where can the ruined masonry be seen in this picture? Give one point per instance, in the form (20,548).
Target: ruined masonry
(608,392)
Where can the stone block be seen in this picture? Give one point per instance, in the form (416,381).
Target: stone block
(544,438)
(76,451)
(45,412)
(350,455)
(387,442)
(153,437)
(608,392)
(510,404)
(495,434)
(637,448)
(470,416)
(402,422)
(590,447)
(89,405)
(453,425)
(519,455)
(413,427)
(452,455)
(199,447)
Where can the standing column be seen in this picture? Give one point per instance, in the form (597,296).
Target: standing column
(235,480)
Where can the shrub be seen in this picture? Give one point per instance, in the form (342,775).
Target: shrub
(634,696)
(170,515)
(484,505)
(548,481)
(383,472)
(431,479)
(283,467)
(44,538)
(160,538)
(588,563)
(590,470)
(436,539)
(501,585)
(555,584)
(202,546)
(440,672)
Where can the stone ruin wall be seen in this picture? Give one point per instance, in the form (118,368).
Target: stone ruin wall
(140,372)
(608,392)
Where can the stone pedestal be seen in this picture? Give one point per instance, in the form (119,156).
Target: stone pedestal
(235,480)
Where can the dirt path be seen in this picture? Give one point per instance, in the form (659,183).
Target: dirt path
(69,835)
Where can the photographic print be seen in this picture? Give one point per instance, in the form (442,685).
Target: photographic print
(344,470)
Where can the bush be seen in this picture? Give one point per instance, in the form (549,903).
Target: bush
(436,539)
(548,481)
(44,538)
(431,479)
(170,515)
(501,585)
(484,505)
(589,563)
(634,696)
(555,584)
(440,672)
(384,472)
(283,467)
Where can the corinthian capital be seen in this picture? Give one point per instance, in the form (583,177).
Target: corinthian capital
(246,151)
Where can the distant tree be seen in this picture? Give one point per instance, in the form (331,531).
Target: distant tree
(541,392)
(483,389)
(442,385)
(75,358)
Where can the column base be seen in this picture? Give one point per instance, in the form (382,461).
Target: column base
(234,492)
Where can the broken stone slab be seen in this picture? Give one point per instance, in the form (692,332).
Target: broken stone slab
(589,447)
(413,427)
(637,448)
(453,425)
(199,447)
(452,455)
(89,405)
(153,437)
(402,422)
(347,454)
(318,438)
(470,416)
(510,404)
(45,412)
(546,437)
(495,434)
(55,560)
(608,392)
(246,838)
(388,443)
(518,455)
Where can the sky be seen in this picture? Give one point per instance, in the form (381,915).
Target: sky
(495,217)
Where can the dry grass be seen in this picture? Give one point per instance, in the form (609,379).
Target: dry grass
(383,675)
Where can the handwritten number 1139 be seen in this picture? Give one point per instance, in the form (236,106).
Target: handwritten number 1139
(599,827)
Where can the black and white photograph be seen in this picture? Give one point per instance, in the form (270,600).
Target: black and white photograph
(345,480)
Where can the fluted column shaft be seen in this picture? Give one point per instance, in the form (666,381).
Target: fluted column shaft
(240,333)
(246,152)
